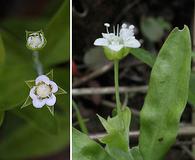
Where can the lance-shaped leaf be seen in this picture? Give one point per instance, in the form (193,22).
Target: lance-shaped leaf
(167,96)
(86,149)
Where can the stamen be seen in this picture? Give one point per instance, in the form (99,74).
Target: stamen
(131,27)
(114,30)
(117,30)
(124,25)
(107,25)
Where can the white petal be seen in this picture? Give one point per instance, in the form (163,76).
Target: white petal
(132,43)
(108,36)
(37,103)
(101,42)
(115,47)
(32,93)
(54,87)
(51,100)
(42,78)
(126,34)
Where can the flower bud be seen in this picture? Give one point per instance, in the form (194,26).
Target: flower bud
(35,40)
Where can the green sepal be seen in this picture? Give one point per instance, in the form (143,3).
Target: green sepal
(113,55)
(51,109)
(60,91)
(50,75)
(27,102)
(30,83)
(39,32)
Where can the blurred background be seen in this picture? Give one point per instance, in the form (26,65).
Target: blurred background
(30,133)
(153,21)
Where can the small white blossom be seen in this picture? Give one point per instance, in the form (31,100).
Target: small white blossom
(43,92)
(118,39)
(35,40)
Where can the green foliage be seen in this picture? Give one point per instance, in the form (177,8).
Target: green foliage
(143,55)
(2,114)
(153,28)
(167,96)
(26,141)
(94,58)
(58,37)
(2,59)
(86,149)
(2,51)
(117,138)
(191,95)
(136,153)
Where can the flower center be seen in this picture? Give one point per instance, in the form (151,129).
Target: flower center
(43,90)
(35,40)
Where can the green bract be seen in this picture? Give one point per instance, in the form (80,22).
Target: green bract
(116,55)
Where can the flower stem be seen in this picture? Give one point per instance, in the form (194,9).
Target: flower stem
(116,70)
(37,63)
(80,118)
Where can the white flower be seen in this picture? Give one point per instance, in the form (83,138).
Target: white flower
(43,92)
(118,39)
(35,40)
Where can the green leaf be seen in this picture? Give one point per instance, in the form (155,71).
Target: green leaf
(136,153)
(86,149)
(39,118)
(191,94)
(2,51)
(57,33)
(167,96)
(143,55)
(27,142)
(94,58)
(117,138)
(153,28)
(2,115)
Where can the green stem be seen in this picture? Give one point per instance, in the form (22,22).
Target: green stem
(116,70)
(37,63)
(79,118)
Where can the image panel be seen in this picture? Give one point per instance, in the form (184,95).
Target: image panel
(133,81)
(34,79)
